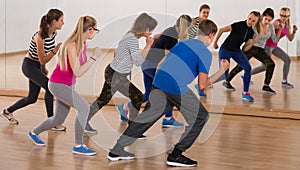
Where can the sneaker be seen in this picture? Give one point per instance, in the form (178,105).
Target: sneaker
(89,129)
(83,150)
(268,89)
(247,96)
(142,137)
(9,117)
(251,81)
(59,128)
(123,113)
(121,155)
(286,84)
(180,160)
(171,123)
(200,92)
(36,139)
(228,85)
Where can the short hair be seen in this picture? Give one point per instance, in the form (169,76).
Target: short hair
(142,23)
(207,27)
(204,6)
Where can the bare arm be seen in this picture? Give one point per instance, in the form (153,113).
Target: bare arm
(291,35)
(73,58)
(220,32)
(43,59)
(149,42)
(204,80)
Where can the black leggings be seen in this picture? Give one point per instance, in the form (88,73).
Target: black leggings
(260,55)
(37,79)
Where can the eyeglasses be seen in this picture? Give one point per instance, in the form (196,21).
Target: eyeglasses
(95,29)
(285,16)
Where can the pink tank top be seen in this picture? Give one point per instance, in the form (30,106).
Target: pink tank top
(67,76)
(270,42)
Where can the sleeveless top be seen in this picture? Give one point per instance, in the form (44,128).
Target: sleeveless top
(271,43)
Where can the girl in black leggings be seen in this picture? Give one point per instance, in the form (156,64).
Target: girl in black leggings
(41,50)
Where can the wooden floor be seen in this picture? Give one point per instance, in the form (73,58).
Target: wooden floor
(264,135)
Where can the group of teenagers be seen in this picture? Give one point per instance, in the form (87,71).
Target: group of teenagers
(170,61)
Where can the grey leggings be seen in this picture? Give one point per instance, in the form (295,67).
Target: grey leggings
(278,52)
(66,98)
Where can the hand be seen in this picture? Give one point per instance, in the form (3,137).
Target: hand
(295,28)
(149,40)
(57,48)
(255,39)
(216,45)
(45,70)
(224,64)
(97,52)
(281,25)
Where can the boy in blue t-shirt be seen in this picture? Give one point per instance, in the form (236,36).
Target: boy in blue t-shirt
(185,61)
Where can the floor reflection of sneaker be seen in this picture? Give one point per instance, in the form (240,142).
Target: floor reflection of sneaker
(171,123)
(59,128)
(200,92)
(89,129)
(228,85)
(36,139)
(123,113)
(247,96)
(180,160)
(268,89)
(83,150)
(142,137)
(286,84)
(10,117)
(121,155)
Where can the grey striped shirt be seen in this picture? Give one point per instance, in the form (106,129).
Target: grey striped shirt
(49,44)
(127,54)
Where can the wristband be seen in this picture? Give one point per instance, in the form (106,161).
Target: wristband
(53,52)
(93,58)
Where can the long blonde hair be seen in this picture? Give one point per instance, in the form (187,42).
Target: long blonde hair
(183,23)
(84,23)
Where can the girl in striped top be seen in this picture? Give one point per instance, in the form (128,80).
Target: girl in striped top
(127,54)
(41,50)
(203,14)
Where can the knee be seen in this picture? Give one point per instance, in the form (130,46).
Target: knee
(31,100)
(248,68)
(270,65)
(288,60)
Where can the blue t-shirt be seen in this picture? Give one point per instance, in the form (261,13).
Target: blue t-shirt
(182,65)
(240,33)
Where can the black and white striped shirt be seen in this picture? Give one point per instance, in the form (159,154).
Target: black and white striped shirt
(49,44)
(127,54)
(193,30)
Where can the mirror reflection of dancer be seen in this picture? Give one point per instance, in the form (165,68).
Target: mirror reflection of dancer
(72,63)
(262,31)
(185,61)
(273,48)
(127,54)
(161,47)
(240,32)
(41,50)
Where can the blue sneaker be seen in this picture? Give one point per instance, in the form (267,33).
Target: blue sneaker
(251,81)
(83,150)
(200,92)
(286,84)
(123,113)
(36,139)
(171,123)
(247,96)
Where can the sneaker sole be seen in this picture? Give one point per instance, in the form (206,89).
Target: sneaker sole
(179,164)
(91,132)
(87,154)
(34,141)
(12,123)
(171,126)
(286,86)
(248,100)
(56,129)
(269,92)
(120,158)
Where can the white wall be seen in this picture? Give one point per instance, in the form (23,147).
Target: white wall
(115,17)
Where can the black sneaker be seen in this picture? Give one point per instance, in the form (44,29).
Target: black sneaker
(268,89)
(180,160)
(89,129)
(142,137)
(121,155)
(228,85)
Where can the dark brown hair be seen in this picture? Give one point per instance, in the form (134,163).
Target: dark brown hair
(53,14)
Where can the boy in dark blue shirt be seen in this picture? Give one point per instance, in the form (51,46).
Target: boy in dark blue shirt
(185,61)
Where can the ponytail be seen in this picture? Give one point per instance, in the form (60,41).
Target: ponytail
(183,23)
(46,21)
